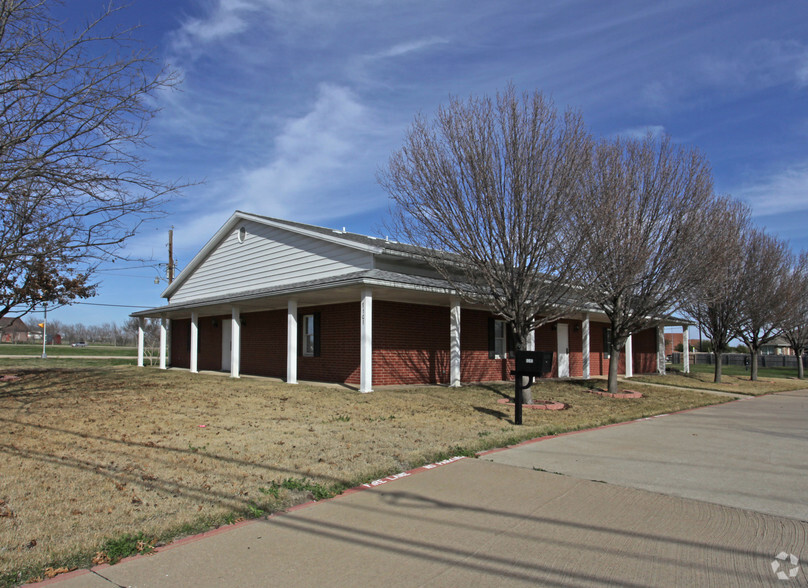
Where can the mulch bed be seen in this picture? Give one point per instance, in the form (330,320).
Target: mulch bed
(541,405)
(626,394)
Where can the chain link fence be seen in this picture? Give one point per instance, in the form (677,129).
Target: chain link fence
(741,359)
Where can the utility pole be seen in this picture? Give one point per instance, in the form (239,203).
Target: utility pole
(45,332)
(170,255)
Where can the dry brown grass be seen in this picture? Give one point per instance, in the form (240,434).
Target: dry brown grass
(94,453)
(729,383)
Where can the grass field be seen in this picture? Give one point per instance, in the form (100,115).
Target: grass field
(57,350)
(733,379)
(98,461)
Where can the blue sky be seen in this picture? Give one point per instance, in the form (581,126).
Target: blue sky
(289,107)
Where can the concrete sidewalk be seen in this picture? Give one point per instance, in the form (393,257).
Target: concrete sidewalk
(750,454)
(479,523)
(476,523)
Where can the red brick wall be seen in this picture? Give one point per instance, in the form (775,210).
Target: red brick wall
(474,363)
(263,343)
(598,363)
(644,347)
(210,342)
(410,343)
(339,344)
(180,343)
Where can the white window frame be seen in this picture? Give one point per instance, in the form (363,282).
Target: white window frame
(607,343)
(500,339)
(308,335)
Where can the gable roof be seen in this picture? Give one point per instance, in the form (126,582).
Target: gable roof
(353,240)
(15,323)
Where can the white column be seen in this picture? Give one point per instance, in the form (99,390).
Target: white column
(661,349)
(686,349)
(194,342)
(235,342)
(585,347)
(454,343)
(140,338)
(530,344)
(366,343)
(163,332)
(291,342)
(629,356)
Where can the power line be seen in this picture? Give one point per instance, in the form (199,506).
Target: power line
(115,305)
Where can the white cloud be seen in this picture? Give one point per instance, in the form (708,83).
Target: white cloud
(761,64)
(227,18)
(410,46)
(781,192)
(308,171)
(642,132)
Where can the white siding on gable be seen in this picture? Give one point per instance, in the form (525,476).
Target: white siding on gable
(268,257)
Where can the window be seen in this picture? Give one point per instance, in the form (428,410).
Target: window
(308,335)
(242,234)
(500,339)
(607,343)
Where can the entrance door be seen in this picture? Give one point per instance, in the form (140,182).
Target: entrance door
(227,335)
(562,329)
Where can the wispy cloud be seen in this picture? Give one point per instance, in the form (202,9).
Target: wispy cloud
(308,170)
(780,192)
(642,132)
(761,64)
(225,19)
(410,47)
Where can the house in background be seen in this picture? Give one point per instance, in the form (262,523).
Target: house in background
(13,330)
(777,346)
(277,298)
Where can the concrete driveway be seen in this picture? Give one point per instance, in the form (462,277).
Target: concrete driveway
(750,454)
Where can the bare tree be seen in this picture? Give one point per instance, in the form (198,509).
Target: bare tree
(763,304)
(642,214)
(482,189)
(795,327)
(151,336)
(73,113)
(713,303)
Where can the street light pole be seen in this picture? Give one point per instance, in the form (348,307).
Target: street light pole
(45,332)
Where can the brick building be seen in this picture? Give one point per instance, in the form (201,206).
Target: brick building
(277,298)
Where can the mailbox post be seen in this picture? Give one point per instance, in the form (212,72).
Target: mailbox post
(529,364)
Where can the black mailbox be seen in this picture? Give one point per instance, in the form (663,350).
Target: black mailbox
(533,363)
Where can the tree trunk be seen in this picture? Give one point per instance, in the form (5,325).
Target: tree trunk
(527,393)
(800,368)
(614,361)
(753,369)
(717,355)
(520,343)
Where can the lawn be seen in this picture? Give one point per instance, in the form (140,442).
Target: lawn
(65,349)
(733,379)
(98,460)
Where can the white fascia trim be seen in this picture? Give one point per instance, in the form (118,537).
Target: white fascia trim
(228,227)
(313,234)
